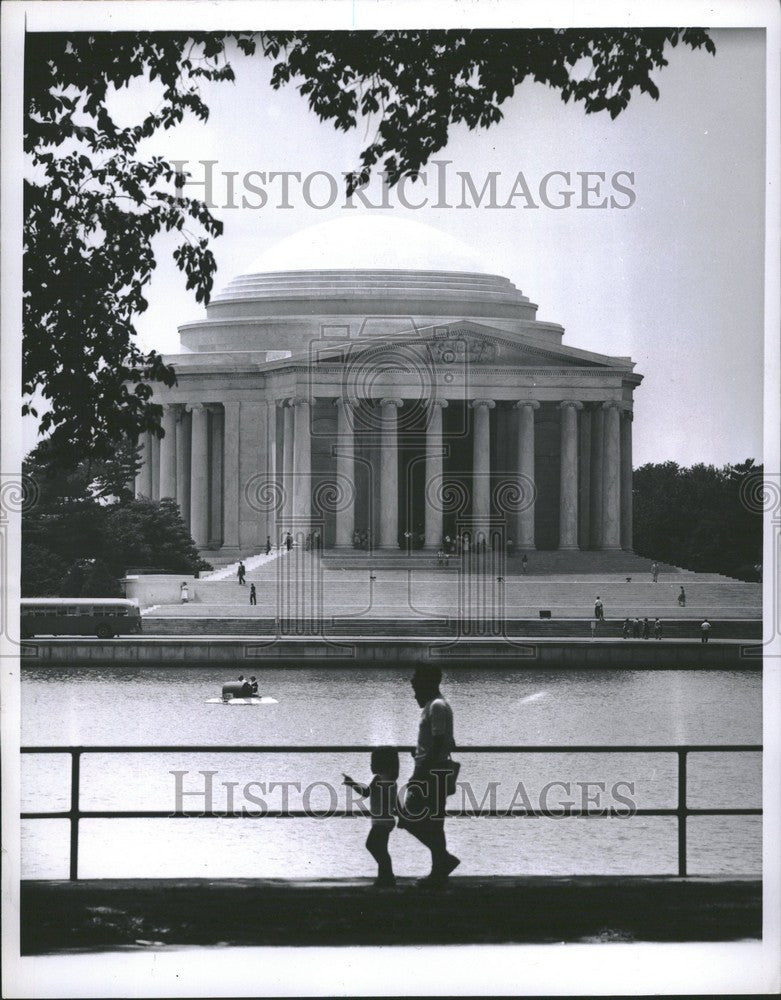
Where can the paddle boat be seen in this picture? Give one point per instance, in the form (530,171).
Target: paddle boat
(240,693)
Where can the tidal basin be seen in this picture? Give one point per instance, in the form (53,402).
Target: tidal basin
(84,706)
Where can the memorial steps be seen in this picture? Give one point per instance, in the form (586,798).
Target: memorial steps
(299,593)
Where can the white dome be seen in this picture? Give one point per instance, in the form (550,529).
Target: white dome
(369,242)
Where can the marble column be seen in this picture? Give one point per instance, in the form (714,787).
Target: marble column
(626,480)
(154,451)
(568,496)
(144,475)
(389,475)
(302,461)
(584,491)
(232,485)
(611,480)
(435,469)
(287,463)
(525,465)
(597,474)
(345,474)
(199,476)
(183,464)
(481,464)
(168,452)
(215,475)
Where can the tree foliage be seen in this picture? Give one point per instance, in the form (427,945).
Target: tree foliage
(700,518)
(420,83)
(79,538)
(92,211)
(93,208)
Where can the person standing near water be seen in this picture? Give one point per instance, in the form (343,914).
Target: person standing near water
(382,806)
(423,811)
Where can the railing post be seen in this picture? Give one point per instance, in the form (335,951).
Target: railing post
(74,814)
(682,813)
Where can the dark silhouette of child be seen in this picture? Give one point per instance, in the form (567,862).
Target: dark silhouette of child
(382,793)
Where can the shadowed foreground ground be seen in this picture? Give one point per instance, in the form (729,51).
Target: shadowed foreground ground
(57,916)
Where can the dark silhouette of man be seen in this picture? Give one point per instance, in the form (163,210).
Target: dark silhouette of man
(423,811)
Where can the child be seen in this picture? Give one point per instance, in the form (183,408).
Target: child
(382,794)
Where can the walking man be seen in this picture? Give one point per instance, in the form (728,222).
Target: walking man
(682,598)
(705,630)
(655,572)
(423,810)
(268,545)
(253,597)
(241,572)
(599,610)
(288,541)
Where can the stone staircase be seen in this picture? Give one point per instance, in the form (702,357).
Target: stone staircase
(539,563)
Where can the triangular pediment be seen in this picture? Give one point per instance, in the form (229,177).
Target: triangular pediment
(477,344)
(459,342)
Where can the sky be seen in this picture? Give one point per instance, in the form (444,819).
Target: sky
(675,280)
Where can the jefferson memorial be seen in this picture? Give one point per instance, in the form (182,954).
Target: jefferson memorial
(346,391)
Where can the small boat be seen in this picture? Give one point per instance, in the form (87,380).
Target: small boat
(238,693)
(265,700)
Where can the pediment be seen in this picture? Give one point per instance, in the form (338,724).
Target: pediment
(463,342)
(471,343)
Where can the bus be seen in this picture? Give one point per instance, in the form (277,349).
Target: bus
(103,617)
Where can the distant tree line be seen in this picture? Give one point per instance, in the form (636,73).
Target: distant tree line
(701,518)
(85,530)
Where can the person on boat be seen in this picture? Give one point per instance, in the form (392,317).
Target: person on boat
(253,686)
(625,628)
(646,628)
(246,687)
(658,628)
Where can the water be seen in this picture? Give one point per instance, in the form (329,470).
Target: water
(501,706)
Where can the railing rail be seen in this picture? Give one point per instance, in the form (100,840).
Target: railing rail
(681,811)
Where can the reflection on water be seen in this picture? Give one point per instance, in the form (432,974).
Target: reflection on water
(153,705)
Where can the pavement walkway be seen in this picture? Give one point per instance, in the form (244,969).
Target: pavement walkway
(59,916)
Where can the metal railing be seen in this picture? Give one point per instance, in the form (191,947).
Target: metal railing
(681,811)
